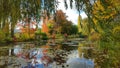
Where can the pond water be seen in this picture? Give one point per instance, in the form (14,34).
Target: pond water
(29,55)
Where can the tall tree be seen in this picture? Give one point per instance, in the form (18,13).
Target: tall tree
(86,28)
(61,22)
(79,24)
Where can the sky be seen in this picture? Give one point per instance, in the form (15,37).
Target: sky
(71,13)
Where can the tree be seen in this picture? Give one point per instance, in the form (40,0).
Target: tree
(60,18)
(20,9)
(79,24)
(67,29)
(60,22)
(73,29)
(103,14)
(105,19)
(51,25)
(6,29)
(86,28)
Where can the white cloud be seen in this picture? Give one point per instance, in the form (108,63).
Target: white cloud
(71,13)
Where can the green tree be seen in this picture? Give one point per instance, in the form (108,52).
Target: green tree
(67,29)
(74,29)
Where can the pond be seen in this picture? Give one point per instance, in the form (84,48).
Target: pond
(29,55)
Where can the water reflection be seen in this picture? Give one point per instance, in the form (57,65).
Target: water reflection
(28,56)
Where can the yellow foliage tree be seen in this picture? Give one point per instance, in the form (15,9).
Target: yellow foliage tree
(103,13)
(85,29)
(79,24)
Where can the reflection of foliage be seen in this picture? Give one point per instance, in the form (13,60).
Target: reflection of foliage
(108,51)
(87,49)
(108,55)
(4,52)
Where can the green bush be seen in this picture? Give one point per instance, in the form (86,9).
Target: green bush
(5,38)
(24,37)
(59,35)
(2,36)
(81,35)
(44,36)
(8,39)
(38,32)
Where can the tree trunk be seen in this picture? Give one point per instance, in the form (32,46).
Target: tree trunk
(12,29)
(12,32)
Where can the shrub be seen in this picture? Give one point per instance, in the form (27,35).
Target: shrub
(59,36)
(95,36)
(24,37)
(44,36)
(2,36)
(116,33)
(8,39)
(81,35)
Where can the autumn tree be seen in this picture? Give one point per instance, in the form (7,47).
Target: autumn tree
(21,9)
(51,25)
(60,23)
(105,16)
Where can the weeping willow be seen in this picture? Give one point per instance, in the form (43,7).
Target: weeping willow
(14,10)
(19,9)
